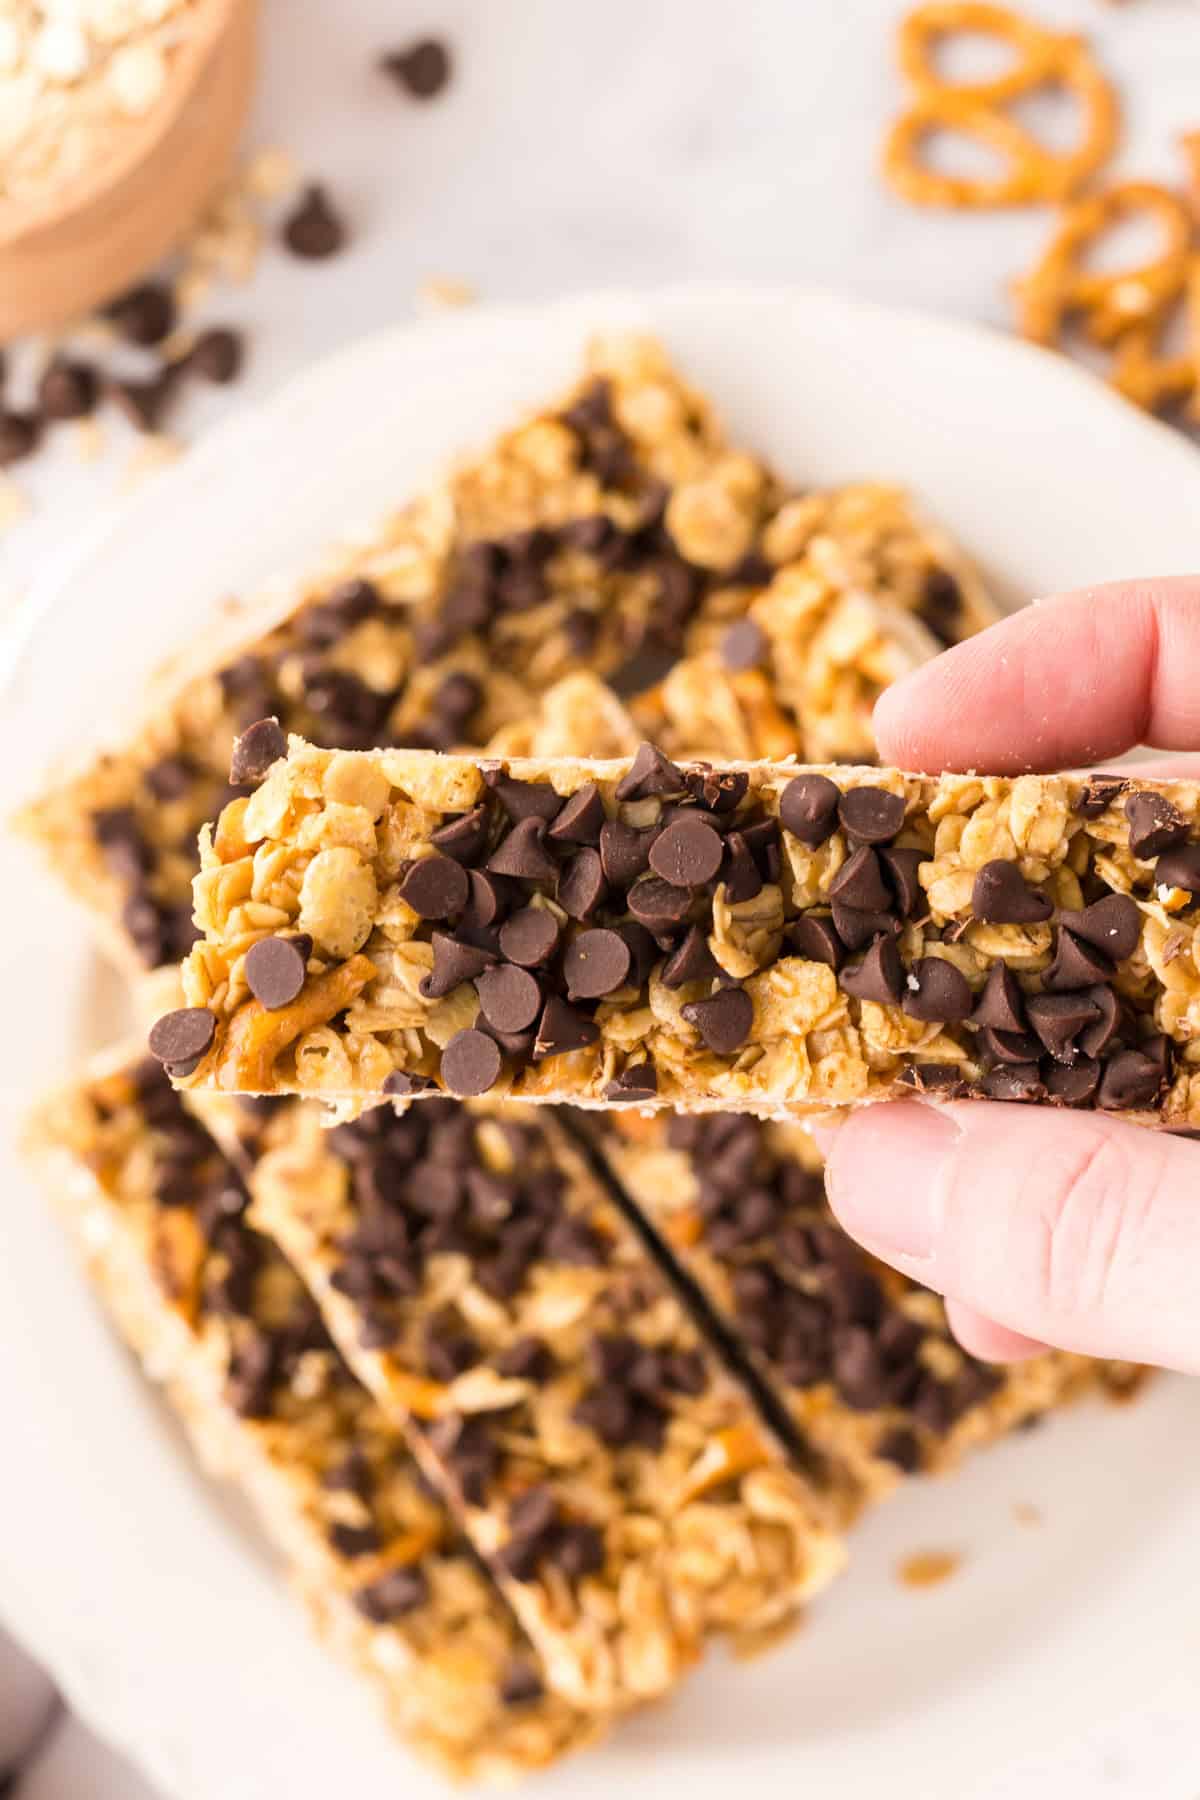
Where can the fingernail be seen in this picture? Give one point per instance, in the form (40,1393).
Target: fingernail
(883,1177)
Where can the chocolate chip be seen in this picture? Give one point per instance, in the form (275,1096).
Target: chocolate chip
(659,906)
(692,961)
(422,70)
(720,790)
(580,818)
(1073,1084)
(260,745)
(453,963)
(1075,965)
(352,1541)
(1112,924)
(145,315)
(471,1063)
(859,883)
(596,963)
(1099,795)
(313,229)
(744,645)
(509,998)
(579,1551)
(523,855)
(1001,896)
(871,815)
(520,1683)
(1095,1039)
(465,838)
(563,1029)
(740,873)
(633,1085)
(1130,1080)
(1010,1046)
(624,852)
(815,938)
(1014,1081)
(723,1022)
(530,937)
(180,1040)
(216,355)
(399,1085)
(524,799)
(436,887)
(581,884)
(489,898)
(808,808)
(1001,1004)
(943,1079)
(878,976)
(19,435)
(902,1448)
(67,390)
(650,774)
(275,969)
(940,606)
(394,1595)
(1058,1019)
(858,928)
(900,867)
(1178,867)
(941,994)
(1154,825)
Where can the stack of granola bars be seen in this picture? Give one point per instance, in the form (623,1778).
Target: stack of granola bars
(535,1416)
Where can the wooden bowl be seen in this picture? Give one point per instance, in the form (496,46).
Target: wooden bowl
(89,239)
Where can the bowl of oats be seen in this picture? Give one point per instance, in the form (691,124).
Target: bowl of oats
(118,118)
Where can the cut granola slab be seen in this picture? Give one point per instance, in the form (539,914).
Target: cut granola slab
(752,937)
(861,1356)
(615,532)
(224,1324)
(495,1301)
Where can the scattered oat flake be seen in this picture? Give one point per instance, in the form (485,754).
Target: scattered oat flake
(1026,1513)
(441,293)
(928,1568)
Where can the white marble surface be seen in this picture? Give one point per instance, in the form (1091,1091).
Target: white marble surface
(582,145)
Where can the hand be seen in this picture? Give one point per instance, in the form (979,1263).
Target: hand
(1041,1227)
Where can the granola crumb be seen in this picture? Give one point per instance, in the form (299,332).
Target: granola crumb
(928,1568)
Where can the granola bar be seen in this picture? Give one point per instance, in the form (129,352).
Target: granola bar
(616,532)
(617,1482)
(220,1319)
(862,1356)
(757,937)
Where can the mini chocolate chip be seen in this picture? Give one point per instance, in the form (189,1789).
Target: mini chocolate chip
(579,819)
(453,962)
(596,963)
(858,928)
(659,906)
(740,873)
(260,745)
(145,315)
(878,976)
(900,868)
(650,773)
(471,1063)
(170,777)
(1073,1084)
(940,606)
(1154,826)
(509,998)
(1130,1080)
(692,961)
(400,1085)
(624,852)
(1010,1046)
(489,899)
(524,799)
(67,390)
(563,1029)
(216,356)
(581,884)
(530,937)
(422,70)
(1001,1004)
(933,1078)
(464,838)
(633,1085)
(1058,1019)
(1075,965)
(723,1022)
(1095,1039)
(1014,1081)
(436,887)
(523,854)
(144,403)
(19,435)
(941,994)
(313,229)
(180,1040)
(643,950)
(520,1683)
(720,790)
(808,808)
(859,883)
(871,815)
(275,969)
(1113,924)
(1178,867)
(744,645)
(352,1541)
(902,1448)
(1002,896)
(815,938)
(1099,795)
(398,1592)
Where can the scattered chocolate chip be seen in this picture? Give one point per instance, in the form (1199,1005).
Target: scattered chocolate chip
(1002,896)
(180,1040)
(67,390)
(509,998)
(436,887)
(900,867)
(581,884)
(1076,964)
(937,992)
(871,815)
(471,1063)
(395,1594)
(943,1079)
(216,355)
(145,315)
(744,645)
(144,403)
(740,873)
(399,1085)
(723,1022)
(1010,1046)
(815,938)
(902,1448)
(563,1029)
(692,961)
(856,928)
(596,963)
(1099,795)
(579,819)
(1001,1004)
(720,790)
(1073,1084)
(19,435)
(520,1683)
(1095,1039)
(859,883)
(523,854)
(659,906)
(1154,825)
(275,969)
(878,976)
(1112,924)
(633,1085)
(422,70)
(1058,1019)
(687,854)
(524,799)
(170,778)
(808,808)
(1178,867)
(465,838)
(940,606)
(1014,1081)
(624,852)
(530,937)
(650,774)
(352,1541)
(453,963)
(1130,1080)
(260,745)
(313,229)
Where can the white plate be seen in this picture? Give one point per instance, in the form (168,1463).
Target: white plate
(1063,1658)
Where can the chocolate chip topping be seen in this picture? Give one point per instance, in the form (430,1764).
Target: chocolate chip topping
(639,1083)
(1154,825)
(464,838)
(1112,924)
(624,852)
(901,870)
(436,887)
(1076,964)
(394,1595)
(522,854)
(1072,1084)
(313,229)
(1057,1019)
(878,976)
(260,745)
(580,818)
(1001,1004)
(1131,1079)
(530,937)
(471,1063)
(563,1029)
(808,808)
(687,854)
(815,938)
(524,799)
(744,646)
(1099,795)
(509,998)
(871,815)
(180,1040)
(453,963)
(937,992)
(216,355)
(20,433)
(1002,896)
(275,969)
(724,1021)
(692,961)
(859,883)
(596,963)
(1178,867)
(145,315)
(67,390)
(422,69)
(581,884)
(650,774)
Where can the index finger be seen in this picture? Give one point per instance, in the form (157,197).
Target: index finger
(1066,683)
